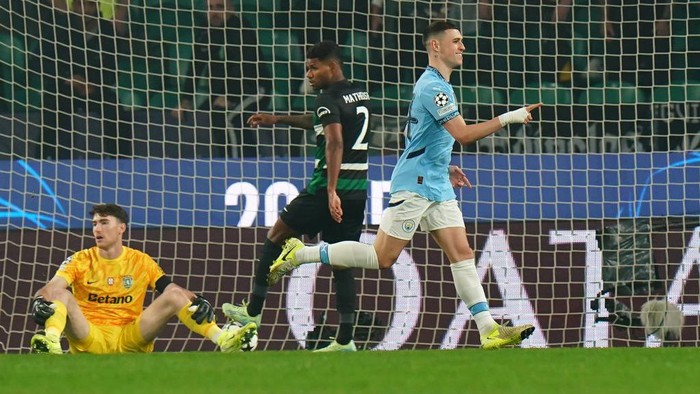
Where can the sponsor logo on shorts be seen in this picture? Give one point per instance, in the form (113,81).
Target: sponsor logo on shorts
(408,225)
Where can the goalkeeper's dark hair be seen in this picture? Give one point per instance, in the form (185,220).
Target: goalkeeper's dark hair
(324,51)
(436,28)
(111,210)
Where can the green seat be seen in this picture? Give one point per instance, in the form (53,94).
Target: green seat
(356,52)
(612,93)
(19,90)
(168,20)
(391,98)
(287,47)
(588,42)
(12,64)
(170,25)
(677,92)
(479,95)
(177,62)
(287,59)
(256,5)
(547,93)
(134,82)
(266,42)
(259,14)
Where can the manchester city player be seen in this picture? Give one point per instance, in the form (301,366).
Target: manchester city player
(422,190)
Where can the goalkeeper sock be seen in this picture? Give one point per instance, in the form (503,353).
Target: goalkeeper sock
(208,330)
(55,324)
(346,254)
(270,251)
(468,285)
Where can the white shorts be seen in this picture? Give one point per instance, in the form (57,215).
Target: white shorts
(407,210)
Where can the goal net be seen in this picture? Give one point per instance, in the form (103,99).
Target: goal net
(578,219)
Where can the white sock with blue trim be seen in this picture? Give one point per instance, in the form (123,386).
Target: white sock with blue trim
(346,254)
(470,290)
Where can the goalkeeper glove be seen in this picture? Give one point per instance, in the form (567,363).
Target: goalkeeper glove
(201,309)
(42,310)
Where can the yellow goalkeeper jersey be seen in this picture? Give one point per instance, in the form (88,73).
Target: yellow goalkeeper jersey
(110,292)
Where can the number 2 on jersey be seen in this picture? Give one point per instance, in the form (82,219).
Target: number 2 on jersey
(359,145)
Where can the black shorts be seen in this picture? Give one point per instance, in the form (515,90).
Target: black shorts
(308,214)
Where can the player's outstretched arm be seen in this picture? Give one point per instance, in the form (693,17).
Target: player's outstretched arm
(304,121)
(467,134)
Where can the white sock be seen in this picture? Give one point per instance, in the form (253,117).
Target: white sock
(215,337)
(468,285)
(346,254)
(309,254)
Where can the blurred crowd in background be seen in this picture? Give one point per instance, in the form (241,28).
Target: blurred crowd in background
(89,77)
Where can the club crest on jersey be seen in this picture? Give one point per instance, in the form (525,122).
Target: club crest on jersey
(441,99)
(128,281)
(322,111)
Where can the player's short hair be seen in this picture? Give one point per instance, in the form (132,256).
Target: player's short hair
(111,210)
(436,28)
(324,51)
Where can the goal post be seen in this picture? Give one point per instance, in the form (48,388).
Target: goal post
(611,146)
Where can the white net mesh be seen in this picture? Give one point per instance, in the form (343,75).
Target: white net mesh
(144,104)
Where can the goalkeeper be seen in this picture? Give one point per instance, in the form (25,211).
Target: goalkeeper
(422,190)
(104,311)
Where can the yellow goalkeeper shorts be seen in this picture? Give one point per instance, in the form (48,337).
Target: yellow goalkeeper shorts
(112,339)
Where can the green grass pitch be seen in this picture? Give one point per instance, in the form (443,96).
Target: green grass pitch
(630,370)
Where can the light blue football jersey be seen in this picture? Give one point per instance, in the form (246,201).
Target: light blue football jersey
(423,166)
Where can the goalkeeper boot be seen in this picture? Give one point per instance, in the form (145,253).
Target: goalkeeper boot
(232,339)
(45,343)
(336,347)
(503,336)
(287,261)
(239,314)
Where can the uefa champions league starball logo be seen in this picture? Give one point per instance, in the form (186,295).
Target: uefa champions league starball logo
(441,99)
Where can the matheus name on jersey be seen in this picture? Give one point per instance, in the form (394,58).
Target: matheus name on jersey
(347,104)
(357,96)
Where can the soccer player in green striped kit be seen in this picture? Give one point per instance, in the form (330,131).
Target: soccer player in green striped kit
(333,202)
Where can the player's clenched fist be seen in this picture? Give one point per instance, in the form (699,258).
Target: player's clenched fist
(201,310)
(41,310)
